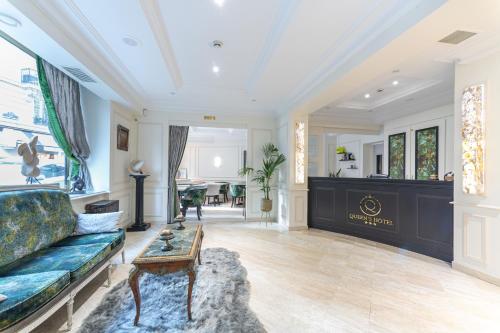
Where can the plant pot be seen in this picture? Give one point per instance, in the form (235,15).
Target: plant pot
(266,205)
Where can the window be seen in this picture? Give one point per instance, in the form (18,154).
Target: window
(23,116)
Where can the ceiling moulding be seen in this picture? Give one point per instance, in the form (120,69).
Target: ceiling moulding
(345,125)
(421,104)
(152,12)
(392,97)
(216,111)
(50,18)
(390,24)
(286,10)
(115,60)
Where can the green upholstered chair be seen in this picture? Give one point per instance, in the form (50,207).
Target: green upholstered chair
(194,196)
(238,196)
(223,191)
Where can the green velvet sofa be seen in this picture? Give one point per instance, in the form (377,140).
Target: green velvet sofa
(42,265)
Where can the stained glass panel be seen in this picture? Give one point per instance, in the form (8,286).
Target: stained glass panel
(473,141)
(426,153)
(397,156)
(299,152)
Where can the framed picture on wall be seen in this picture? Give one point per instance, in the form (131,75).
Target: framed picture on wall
(397,156)
(122,138)
(426,153)
(182,173)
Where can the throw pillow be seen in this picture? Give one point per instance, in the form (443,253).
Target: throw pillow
(2,298)
(96,223)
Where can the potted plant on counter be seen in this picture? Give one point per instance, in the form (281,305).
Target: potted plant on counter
(270,164)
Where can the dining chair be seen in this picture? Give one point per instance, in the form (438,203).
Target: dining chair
(213,191)
(194,197)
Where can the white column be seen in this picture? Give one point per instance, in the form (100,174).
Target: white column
(293,191)
(477,217)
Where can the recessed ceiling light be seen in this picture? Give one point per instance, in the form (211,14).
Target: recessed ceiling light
(395,82)
(9,20)
(367,95)
(219,3)
(130,41)
(215,69)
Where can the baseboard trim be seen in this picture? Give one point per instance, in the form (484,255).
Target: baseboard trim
(480,275)
(298,228)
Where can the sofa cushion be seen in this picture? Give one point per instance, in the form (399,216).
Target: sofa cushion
(26,293)
(113,238)
(31,220)
(78,260)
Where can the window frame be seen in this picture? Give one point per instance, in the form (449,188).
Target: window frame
(66,160)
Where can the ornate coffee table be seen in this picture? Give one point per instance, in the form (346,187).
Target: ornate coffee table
(187,246)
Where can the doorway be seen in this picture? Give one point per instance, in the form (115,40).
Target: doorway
(209,182)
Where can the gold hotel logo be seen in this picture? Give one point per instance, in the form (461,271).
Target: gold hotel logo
(370,208)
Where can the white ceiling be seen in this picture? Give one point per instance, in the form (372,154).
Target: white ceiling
(276,54)
(423,67)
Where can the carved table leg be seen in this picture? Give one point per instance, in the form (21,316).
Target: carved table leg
(199,251)
(133,281)
(192,277)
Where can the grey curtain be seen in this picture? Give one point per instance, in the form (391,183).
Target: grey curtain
(66,98)
(176,144)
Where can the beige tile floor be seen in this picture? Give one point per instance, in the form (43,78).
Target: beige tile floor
(316,281)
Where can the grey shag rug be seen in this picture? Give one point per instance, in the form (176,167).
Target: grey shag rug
(219,302)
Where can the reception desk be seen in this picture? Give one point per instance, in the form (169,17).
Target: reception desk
(410,214)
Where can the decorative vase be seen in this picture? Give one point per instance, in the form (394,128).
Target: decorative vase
(266,205)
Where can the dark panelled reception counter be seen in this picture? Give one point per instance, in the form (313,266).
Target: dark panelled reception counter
(410,214)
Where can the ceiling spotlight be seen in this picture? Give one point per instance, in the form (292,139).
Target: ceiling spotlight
(395,82)
(9,20)
(130,41)
(215,69)
(367,95)
(219,3)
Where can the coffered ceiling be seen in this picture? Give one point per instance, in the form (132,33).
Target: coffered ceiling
(158,55)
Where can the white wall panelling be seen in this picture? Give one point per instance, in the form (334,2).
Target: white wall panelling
(477,217)
(260,130)
(122,187)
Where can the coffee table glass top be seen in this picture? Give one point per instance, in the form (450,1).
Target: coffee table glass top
(183,243)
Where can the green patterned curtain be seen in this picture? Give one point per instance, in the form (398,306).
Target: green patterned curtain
(54,125)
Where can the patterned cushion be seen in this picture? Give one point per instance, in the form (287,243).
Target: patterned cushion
(78,260)
(113,238)
(27,293)
(31,220)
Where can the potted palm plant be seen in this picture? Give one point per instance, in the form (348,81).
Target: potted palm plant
(270,164)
